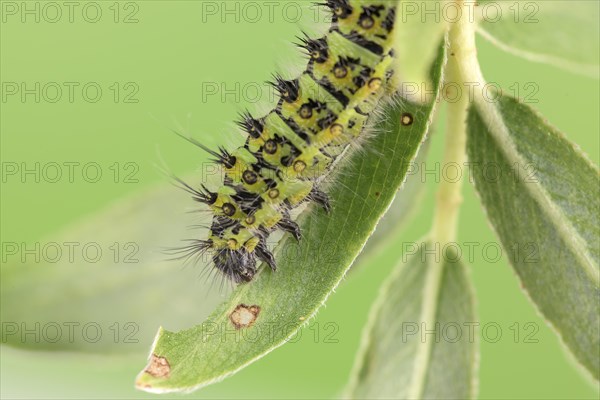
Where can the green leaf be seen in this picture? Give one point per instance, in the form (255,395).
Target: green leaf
(541,195)
(266,312)
(405,206)
(563,33)
(405,354)
(89,302)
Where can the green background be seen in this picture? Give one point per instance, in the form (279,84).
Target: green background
(169,53)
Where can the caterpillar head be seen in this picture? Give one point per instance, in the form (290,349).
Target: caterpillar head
(235,252)
(239,265)
(233,249)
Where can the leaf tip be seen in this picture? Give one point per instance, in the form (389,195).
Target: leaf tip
(158,367)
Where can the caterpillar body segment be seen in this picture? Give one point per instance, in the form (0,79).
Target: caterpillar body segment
(290,149)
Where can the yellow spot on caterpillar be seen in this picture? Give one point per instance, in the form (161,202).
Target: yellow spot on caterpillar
(406,119)
(336,129)
(232,243)
(299,166)
(158,367)
(250,220)
(273,193)
(375,84)
(250,177)
(271,146)
(305,111)
(340,72)
(367,23)
(244,316)
(228,209)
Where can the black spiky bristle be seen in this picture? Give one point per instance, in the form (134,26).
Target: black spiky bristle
(288,90)
(339,8)
(316,49)
(252,126)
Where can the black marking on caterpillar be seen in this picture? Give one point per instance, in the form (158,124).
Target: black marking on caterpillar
(290,149)
(363,42)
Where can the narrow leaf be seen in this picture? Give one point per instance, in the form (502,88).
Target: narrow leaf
(113,289)
(264,313)
(403,355)
(541,195)
(564,33)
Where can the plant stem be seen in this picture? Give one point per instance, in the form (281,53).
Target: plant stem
(449,199)
(463,48)
(459,69)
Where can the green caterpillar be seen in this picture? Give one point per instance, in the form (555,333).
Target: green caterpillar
(292,147)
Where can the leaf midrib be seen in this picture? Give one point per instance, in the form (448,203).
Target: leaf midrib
(588,70)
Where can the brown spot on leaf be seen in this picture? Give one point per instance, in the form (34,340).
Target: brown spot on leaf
(158,367)
(406,119)
(377,194)
(244,316)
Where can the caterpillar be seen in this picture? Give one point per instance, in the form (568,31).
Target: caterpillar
(289,150)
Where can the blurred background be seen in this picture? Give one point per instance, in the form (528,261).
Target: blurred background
(89,95)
